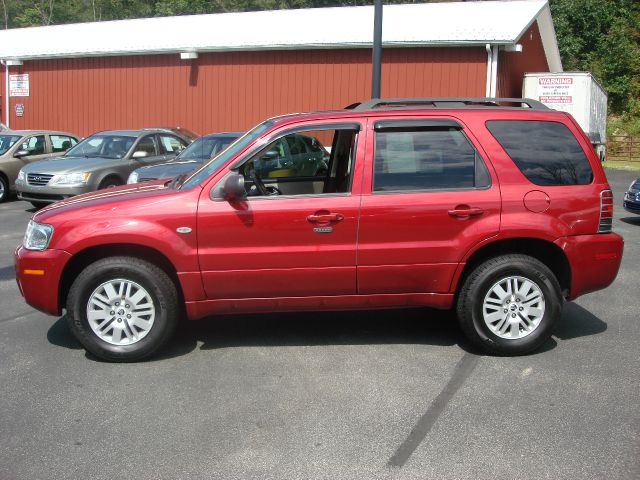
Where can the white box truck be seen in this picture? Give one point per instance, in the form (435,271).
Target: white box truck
(577,93)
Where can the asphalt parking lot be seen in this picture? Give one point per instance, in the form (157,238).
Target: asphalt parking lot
(363,395)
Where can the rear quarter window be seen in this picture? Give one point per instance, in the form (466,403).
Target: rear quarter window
(546,152)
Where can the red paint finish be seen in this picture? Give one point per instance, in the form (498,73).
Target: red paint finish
(269,247)
(197,310)
(36,289)
(594,261)
(387,250)
(230,91)
(408,242)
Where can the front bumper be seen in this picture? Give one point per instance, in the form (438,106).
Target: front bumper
(631,207)
(48,194)
(38,274)
(594,261)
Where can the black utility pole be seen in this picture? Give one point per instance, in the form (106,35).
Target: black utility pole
(377,50)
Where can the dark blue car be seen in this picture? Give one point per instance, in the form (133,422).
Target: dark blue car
(189,159)
(631,202)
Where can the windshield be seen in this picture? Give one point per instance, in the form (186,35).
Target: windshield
(103,146)
(204,148)
(208,168)
(8,141)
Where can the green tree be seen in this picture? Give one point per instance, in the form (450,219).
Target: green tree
(602,36)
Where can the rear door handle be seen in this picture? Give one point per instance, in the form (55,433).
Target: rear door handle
(324,217)
(465,211)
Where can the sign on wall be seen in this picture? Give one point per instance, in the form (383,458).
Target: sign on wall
(555,89)
(19,109)
(19,85)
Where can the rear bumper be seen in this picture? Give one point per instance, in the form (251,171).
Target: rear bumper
(38,275)
(594,261)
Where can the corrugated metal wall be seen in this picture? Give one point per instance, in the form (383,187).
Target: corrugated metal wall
(231,91)
(513,65)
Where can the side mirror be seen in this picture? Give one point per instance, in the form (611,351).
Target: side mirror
(233,188)
(21,153)
(140,154)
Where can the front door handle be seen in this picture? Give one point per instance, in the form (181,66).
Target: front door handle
(325,217)
(465,211)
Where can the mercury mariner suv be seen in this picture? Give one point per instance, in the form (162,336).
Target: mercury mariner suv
(497,208)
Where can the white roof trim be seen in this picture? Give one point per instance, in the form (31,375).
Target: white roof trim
(549,40)
(408,25)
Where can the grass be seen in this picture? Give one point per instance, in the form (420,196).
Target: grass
(622,165)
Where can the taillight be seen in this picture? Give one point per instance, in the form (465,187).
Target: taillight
(606,211)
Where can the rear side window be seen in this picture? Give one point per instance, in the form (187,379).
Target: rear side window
(426,159)
(62,143)
(171,144)
(546,153)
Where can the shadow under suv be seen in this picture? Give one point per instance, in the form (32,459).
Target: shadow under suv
(102,160)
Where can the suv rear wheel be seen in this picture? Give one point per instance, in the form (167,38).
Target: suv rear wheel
(122,308)
(509,304)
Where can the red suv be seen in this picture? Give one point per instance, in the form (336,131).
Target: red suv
(500,212)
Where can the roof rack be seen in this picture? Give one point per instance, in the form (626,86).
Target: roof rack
(453,102)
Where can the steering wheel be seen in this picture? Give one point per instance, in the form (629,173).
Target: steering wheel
(262,188)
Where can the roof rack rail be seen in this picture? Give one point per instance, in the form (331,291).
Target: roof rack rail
(451,102)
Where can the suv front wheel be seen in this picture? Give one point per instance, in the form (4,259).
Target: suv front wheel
(122,308)
(509,304)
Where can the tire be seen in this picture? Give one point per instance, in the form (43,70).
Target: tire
(109,182)
(530,314)
(5,193)
(126,336)
(39,205)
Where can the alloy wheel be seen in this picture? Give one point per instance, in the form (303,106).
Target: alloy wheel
(513,307)
(120,312)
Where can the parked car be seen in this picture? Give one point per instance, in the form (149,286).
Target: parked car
(189,159)
(21,147)
(631,202)
(499,212)
(295,156)
(102,160)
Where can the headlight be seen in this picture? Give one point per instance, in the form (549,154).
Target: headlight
(21,176)
(133,178)
(71,178)
(37,236)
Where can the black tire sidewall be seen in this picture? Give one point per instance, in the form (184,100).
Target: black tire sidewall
(109,182)
(4,196)
(101,272)
(538,274)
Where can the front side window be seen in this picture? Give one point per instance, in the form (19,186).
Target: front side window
(289,166)
(35,145)
(546,153)
(426,159)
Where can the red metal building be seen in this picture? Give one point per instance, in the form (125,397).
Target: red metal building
(136,73)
